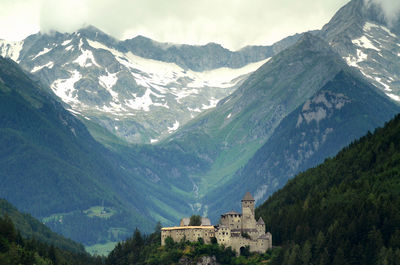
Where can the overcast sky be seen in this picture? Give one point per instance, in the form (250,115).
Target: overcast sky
(232,23)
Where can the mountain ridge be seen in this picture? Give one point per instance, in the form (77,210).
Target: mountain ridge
(360,33)
(127,87)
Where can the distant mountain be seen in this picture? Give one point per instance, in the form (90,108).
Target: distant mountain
(344,211)
(205,57)
(231,134)
(362,34)
(138,89)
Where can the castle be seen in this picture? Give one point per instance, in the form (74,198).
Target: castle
(235,230)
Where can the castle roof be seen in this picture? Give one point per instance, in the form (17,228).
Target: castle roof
(260,221)
(231,213)
(248,197)
(263,237)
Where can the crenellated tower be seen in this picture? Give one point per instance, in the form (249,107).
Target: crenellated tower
(248,218)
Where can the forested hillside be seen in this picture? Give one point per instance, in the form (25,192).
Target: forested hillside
(345,211)
(30,242)
(30,227)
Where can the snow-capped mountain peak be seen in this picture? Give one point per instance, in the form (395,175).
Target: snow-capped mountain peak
(137,98)
(360,33)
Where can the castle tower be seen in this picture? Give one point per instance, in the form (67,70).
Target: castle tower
(260,226)
(248,218)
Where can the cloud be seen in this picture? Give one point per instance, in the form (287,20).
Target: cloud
(63,16)
(390,9)
(233,23)
(18,18)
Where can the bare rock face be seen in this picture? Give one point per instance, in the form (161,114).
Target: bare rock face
(205,260)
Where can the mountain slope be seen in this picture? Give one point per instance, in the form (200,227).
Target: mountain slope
(229,136)
(365,37)
(340,112)
(52,168)
(137,89)
(346,209)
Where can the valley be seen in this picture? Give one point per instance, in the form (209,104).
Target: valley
(100,136)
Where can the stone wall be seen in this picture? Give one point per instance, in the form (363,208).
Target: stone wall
(233,221)
(191,233)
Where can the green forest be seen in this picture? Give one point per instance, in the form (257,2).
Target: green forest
(344,211)
(15,250)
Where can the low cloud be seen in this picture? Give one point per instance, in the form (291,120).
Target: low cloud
(63,16)
(233,23)
(390,9)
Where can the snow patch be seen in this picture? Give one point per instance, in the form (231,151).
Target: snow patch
(66,42)
(83,59)
(212,104)
(386,86)
(11,49)
(364,42)
(44,51)
(174,127)
(230,114)
(80,44)
(152,141)
(64,88)
(141,103)
(108,81)
(184,93)
(393,96)
(369,25)
(353,61)
(222,77)
(194,110)
(37,68)
(70,47)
